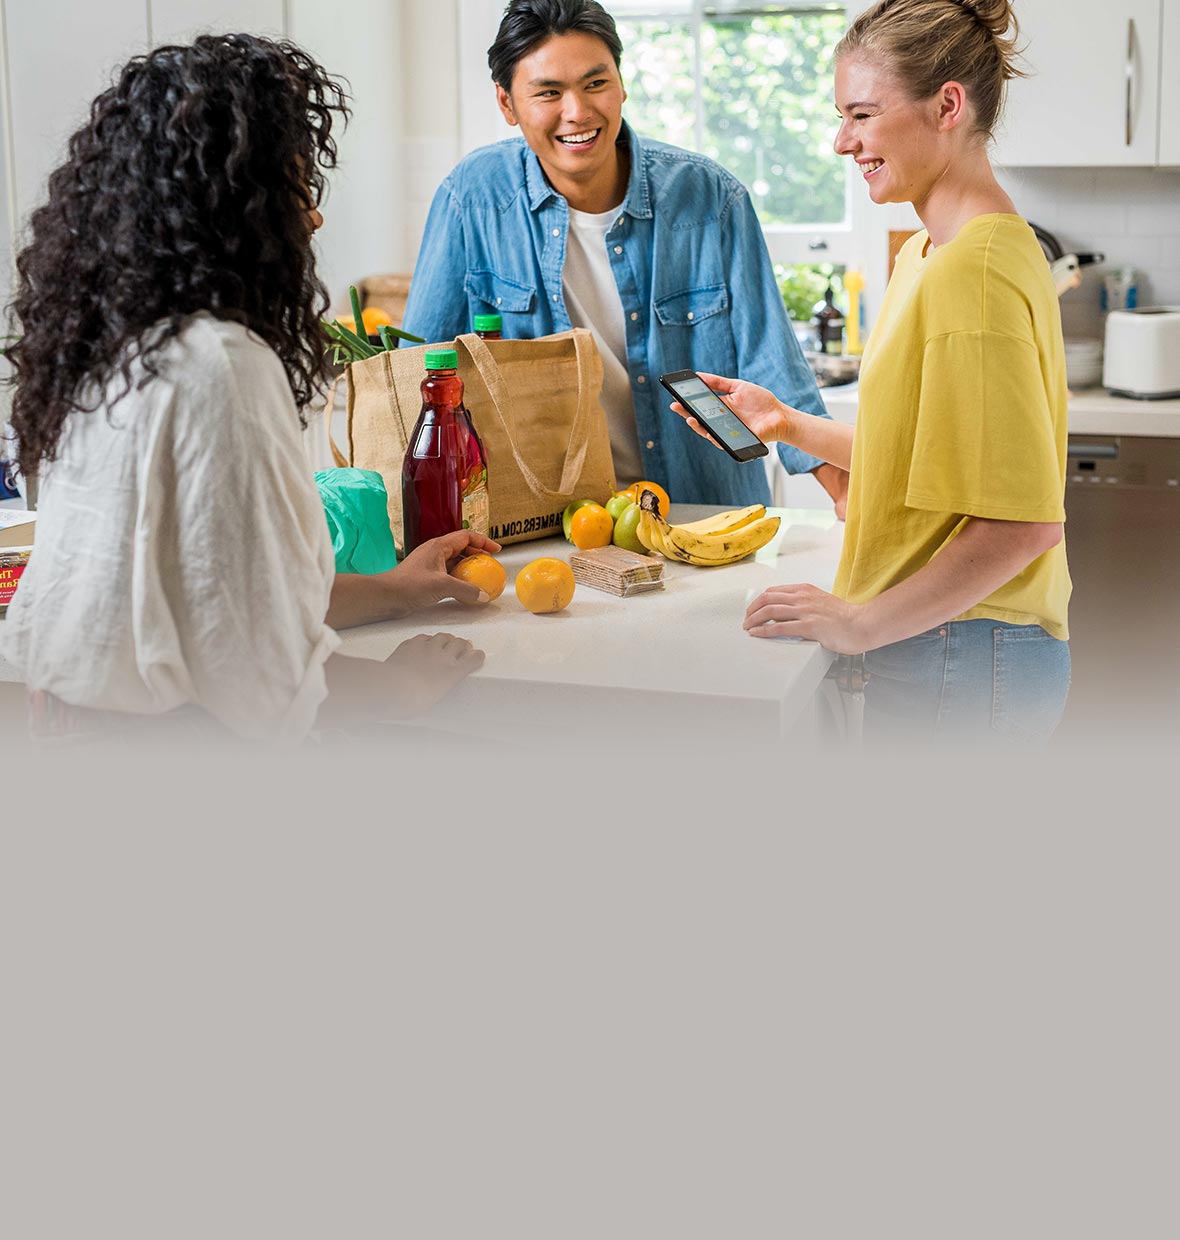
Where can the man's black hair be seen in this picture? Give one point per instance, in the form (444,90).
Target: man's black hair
(526,23)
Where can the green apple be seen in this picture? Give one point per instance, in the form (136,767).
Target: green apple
(625,527)
(568,515)
(617,505)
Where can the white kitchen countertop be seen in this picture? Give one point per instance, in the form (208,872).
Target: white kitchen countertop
(675,658)
(1092,411)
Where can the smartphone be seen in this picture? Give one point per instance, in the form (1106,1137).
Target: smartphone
(714,415)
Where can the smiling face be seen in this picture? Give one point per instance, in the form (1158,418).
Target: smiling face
(567,97)
(898,143)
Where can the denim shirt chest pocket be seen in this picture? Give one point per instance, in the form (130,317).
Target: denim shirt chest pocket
(696,323)
(500,294)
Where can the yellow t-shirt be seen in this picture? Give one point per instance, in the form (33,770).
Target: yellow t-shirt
(962,413)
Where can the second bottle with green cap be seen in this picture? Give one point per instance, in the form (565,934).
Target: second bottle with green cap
(445,470)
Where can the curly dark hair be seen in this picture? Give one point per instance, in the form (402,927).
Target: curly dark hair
(188,189)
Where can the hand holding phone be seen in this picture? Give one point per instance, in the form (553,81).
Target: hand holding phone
(713,415)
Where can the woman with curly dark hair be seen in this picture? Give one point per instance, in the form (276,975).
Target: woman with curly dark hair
(168,312)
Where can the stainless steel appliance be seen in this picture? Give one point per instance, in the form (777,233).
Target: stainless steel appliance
(1122,536)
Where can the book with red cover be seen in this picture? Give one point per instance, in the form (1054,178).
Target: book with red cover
(13,561)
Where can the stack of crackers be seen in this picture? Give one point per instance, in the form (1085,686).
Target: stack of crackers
(617,571)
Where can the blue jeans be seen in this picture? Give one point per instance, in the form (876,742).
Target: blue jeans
(967,681)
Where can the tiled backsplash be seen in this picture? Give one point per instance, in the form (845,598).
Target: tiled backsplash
(1132,215)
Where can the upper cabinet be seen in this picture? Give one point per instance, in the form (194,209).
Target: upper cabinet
(56,67)
(1170,85)
(1096,87)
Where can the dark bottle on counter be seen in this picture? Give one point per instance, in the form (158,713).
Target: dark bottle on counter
(488,326)
(829,324)
(445,470)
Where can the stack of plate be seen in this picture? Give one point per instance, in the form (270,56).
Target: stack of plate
(1083,362)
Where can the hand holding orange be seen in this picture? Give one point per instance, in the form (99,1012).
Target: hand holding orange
(484,571)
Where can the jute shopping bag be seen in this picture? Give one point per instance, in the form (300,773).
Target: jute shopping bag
(534,403)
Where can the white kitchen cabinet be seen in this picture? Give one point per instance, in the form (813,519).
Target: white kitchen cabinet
(1093,99)
(1169,148)
(55,70)
(180,21)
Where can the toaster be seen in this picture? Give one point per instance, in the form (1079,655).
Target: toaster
(1142,352)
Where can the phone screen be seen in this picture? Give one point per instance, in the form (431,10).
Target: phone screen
(707,406)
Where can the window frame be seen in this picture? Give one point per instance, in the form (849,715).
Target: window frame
(840,243)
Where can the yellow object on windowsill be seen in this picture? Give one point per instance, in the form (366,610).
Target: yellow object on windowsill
(854,284)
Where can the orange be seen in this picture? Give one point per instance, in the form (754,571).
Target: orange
(545,585)
(591,526)
(373,319)
(636,489)
(484,571)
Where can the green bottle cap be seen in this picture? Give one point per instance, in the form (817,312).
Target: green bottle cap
(442,359)
(488,323)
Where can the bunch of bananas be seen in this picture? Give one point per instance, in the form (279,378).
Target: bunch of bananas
(723,539)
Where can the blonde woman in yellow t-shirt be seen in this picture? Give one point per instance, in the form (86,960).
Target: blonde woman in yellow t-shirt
(953,580)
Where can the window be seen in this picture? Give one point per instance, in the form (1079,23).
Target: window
(750,85)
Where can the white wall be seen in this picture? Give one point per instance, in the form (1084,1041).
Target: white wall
(1132,215)
(364,230)
(444,125)
(51,69)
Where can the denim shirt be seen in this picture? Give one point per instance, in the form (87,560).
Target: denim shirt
(692,270)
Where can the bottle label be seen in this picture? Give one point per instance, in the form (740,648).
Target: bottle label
(476,512)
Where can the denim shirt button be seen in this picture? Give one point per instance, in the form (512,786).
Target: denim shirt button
(634,315)
(942,632)
(618,249)
(651,443)
(690,316)
(641,379)
(557,232)
(554,296)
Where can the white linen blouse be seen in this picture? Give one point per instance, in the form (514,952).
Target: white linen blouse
(182,555)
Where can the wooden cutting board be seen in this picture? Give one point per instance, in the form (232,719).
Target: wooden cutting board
(896,241)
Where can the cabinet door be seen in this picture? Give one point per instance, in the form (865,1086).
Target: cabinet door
(55,70)
(180,21)
(1093,97)
(1169,147)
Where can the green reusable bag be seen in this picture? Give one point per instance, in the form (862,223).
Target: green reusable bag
(357,508)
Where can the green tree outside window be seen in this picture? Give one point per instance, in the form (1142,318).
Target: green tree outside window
(764,106)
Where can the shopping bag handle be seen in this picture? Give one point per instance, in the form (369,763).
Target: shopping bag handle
(579,441)
(329,411)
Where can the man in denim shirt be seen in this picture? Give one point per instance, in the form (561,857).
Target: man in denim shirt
(580,223)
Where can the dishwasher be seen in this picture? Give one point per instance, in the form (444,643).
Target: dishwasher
(1122,538)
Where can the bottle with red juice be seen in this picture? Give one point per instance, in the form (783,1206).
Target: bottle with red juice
(445,470)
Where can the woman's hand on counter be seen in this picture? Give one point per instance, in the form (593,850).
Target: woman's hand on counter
(416,676)
(809,612)
(420,580)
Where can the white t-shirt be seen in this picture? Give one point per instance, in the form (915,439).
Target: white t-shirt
(182,553)
(592,301)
